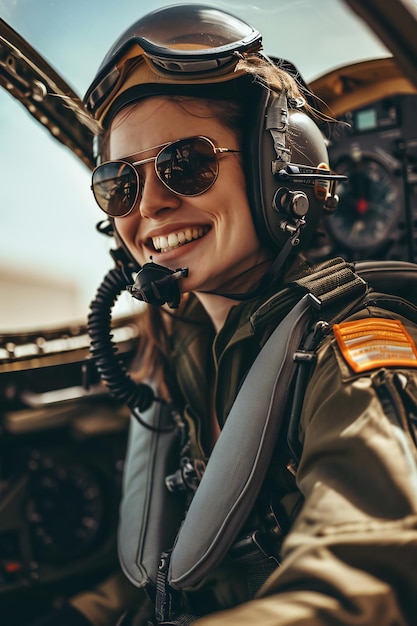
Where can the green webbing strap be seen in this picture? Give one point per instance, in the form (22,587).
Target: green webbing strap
(332,282)
(168,605)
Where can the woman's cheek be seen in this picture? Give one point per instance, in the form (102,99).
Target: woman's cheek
(127,233)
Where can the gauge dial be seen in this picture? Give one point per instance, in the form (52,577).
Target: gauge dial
(65,510)
(368,205)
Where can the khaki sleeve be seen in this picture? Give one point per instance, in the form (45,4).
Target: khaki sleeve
(350,558)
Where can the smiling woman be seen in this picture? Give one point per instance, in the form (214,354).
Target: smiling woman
(219,209)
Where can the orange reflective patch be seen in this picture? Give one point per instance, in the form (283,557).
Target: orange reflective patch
(374,342)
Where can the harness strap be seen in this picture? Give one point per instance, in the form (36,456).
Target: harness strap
(168,605)
(332,281)
(329,284)
(240,457)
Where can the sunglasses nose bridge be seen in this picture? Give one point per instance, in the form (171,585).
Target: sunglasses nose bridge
(154,195)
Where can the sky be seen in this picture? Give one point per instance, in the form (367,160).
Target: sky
(47,214)
(74,36)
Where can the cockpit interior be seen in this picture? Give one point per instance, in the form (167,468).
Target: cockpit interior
(62,435)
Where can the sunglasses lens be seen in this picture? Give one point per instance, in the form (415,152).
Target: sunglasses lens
(188,167)
(115,187)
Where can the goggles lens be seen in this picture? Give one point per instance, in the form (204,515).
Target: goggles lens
(187,167)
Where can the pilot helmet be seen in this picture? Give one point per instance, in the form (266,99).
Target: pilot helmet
(197,50)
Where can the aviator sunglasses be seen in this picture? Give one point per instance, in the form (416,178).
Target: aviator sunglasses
(187,167)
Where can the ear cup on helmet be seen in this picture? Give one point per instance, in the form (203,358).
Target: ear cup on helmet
(306,146)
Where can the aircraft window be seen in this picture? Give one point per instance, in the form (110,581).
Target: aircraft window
(51,260)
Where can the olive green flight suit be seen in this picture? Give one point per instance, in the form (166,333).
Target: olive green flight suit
(350,556)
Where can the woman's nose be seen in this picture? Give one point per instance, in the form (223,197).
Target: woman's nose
(155,197)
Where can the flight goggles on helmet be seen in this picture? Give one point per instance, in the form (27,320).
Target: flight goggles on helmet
(188,44)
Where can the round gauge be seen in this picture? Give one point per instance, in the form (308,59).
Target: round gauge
(368,204)
(65,510)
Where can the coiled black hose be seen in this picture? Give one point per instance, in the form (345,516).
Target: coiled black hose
(137,396)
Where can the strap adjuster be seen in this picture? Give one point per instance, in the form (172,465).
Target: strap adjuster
(247,548)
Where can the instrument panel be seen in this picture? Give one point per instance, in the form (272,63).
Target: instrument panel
(373,143)
(62,447)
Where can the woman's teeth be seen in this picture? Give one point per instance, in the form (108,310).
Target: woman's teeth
(173,240)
